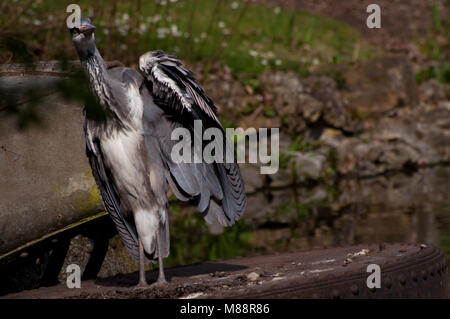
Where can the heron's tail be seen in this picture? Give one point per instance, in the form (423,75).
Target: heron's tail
(153,229)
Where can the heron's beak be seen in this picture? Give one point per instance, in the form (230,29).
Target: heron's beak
(87,29)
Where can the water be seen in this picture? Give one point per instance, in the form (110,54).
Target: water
(399,207)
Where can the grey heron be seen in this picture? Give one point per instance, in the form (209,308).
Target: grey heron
(130,149)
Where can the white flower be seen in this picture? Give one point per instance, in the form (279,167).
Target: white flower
(156,18)
(162,32)
(203,35)
(277,10)
(221,24)
(106,31)
(226,31)
(36,22)
(264,62)
(174,30)
(173,1)
(234,5)
(270,55)
(253,53)
(142,28)
(277,62)
(125,17)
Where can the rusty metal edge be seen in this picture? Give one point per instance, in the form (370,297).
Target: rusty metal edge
(278,289)
(56,232)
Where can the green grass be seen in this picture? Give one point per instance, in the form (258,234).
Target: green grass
(440,72)
(436,50)
(248,38)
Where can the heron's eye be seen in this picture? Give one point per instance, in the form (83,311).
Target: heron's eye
(76,30)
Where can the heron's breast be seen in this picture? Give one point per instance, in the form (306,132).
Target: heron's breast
(123,153)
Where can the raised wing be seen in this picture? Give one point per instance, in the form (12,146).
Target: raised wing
(175,87)
(217,188)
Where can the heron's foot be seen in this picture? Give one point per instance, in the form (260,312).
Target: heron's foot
(141,286)
(161,282)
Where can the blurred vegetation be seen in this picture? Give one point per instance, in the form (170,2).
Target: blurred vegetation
(245,36)
(437,48)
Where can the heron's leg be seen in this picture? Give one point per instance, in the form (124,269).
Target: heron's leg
(161,277)
(142,281)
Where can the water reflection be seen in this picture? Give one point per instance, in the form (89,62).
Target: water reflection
(400,207)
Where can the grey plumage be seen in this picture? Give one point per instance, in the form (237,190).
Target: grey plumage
(176,90)
(130,151)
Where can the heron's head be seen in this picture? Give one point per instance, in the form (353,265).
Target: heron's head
(83,38)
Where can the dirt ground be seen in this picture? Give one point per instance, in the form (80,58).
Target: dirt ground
(320,273)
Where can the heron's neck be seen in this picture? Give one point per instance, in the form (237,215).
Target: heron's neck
(95,68)
(100,84)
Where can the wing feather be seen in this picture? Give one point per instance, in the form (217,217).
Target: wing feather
(175,86)
(211,186)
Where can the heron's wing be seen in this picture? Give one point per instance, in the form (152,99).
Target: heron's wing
(175,91)
(111,200)
(175,88)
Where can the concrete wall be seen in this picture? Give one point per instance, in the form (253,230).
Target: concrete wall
(45,178)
